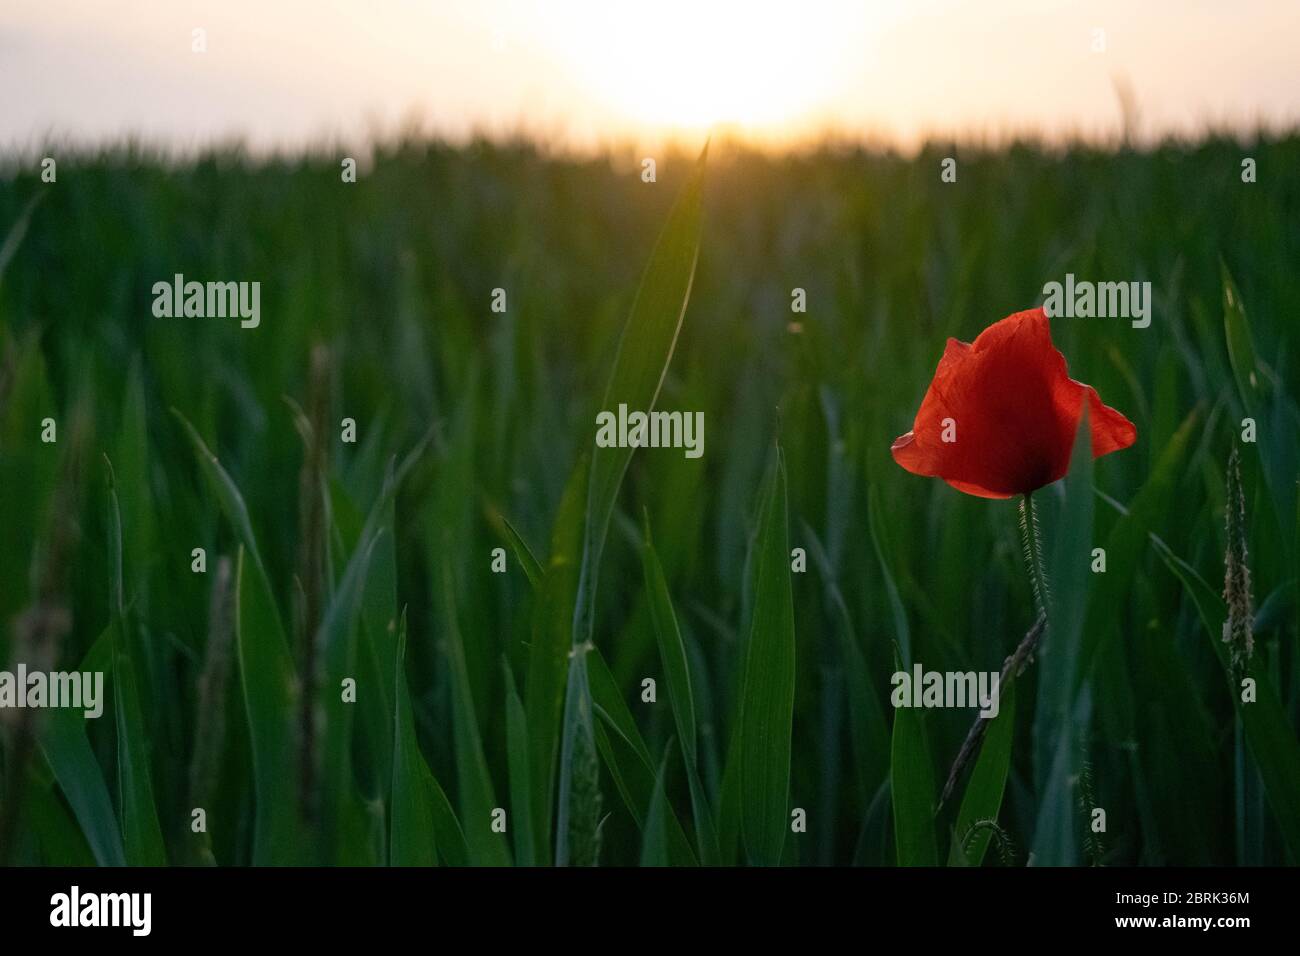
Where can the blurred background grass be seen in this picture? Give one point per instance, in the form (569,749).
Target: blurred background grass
(375,306)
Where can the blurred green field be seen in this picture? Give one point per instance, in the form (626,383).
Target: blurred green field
(373,561)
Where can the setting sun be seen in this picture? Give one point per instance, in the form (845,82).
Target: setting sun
(686,65)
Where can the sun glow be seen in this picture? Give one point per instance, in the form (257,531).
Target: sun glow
(691,64)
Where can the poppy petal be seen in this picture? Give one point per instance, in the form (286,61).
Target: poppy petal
(1000,414)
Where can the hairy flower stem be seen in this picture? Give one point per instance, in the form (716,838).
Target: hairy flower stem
(1033,543)
(1014,665)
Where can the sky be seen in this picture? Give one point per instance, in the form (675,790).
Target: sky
(584,73)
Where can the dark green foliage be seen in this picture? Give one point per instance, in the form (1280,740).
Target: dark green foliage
(773,686)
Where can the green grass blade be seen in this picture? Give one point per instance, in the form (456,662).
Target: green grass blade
(338,646)
(875,526)
(266,673)
(1126,544)
(517,760)
(868,731)
(55,830)
(912,791)
(983,797)
(422,817)
(767,695)
(1068,552)
(677,676)
(532,567)
(142,835)
(379,615)
(236,512)
(1058,732)
(266,676)
(644,353)
(1241,351)
(412,841)
(654,838)
(452,847)
(1269,733)
(477,798)
(628,758)
(548,657)
(67,751)
(577,827)
(141,831)
(672,651)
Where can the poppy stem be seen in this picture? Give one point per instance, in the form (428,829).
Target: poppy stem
(1033,542)
(1024,652)
(1011,669)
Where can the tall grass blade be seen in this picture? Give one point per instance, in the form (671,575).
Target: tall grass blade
(1269,732)
(983,796)
(644,352)
(142,835)
(767,690)
(412,841)
(677,676)
(912,791)
(548,657)
(266,672)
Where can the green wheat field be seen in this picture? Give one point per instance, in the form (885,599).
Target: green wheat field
(354,674)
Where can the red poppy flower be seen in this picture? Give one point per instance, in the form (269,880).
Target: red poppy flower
(1000,416)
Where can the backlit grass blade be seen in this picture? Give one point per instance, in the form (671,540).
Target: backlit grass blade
(983,797)
(548,657)
(644,352)
(677,676)
(767,690)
